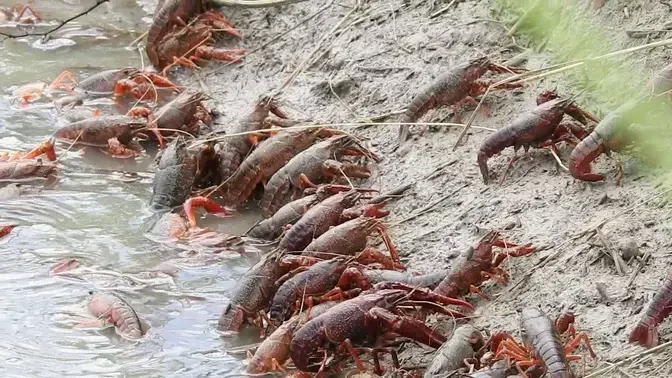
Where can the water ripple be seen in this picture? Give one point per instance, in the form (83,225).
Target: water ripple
(97,213)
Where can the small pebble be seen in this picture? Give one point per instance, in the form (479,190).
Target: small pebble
(628,248)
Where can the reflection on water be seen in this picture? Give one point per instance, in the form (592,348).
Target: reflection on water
(97,214)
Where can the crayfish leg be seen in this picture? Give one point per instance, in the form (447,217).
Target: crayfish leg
(210,206)
(46,148)
(371,255)
(59,81)
(276,366)
(407,327)
(27,9)
(497,278)
(352,276)
(353,353)
(474,290)
(304,182)
(573,344)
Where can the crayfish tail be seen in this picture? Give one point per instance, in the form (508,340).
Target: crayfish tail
(645,335)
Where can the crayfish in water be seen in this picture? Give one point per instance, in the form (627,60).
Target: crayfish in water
(32,92)
(182,225)
(268,158)
(177,171)
(45,148)
(234,148)
(313,164)
(457,86)
(116,83)
(21,14)
(6,230)
(255,290)
(143,85)
(114,135)
(110,309)
(169,17)
(27,170)
(182,114)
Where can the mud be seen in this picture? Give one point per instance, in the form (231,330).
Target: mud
(381,56)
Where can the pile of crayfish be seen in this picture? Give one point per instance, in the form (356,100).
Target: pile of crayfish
(331,296)
(326,293)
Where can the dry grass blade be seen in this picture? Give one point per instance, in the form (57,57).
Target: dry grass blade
(272,40)
(443,10)
(429,207)
(137,40)
(345,125)
(317,48)
(618,261)
(522,18)
(628,359)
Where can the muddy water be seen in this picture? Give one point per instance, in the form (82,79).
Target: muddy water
(97,214)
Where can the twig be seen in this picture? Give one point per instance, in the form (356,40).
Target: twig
(137,40)
(345,105)
(380,117)
(253,3)
(618,261)
(427,208)
(471,119)
(62,24)
(394,32)
(443,10)
(639,268)
(557,159)
(644,33)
